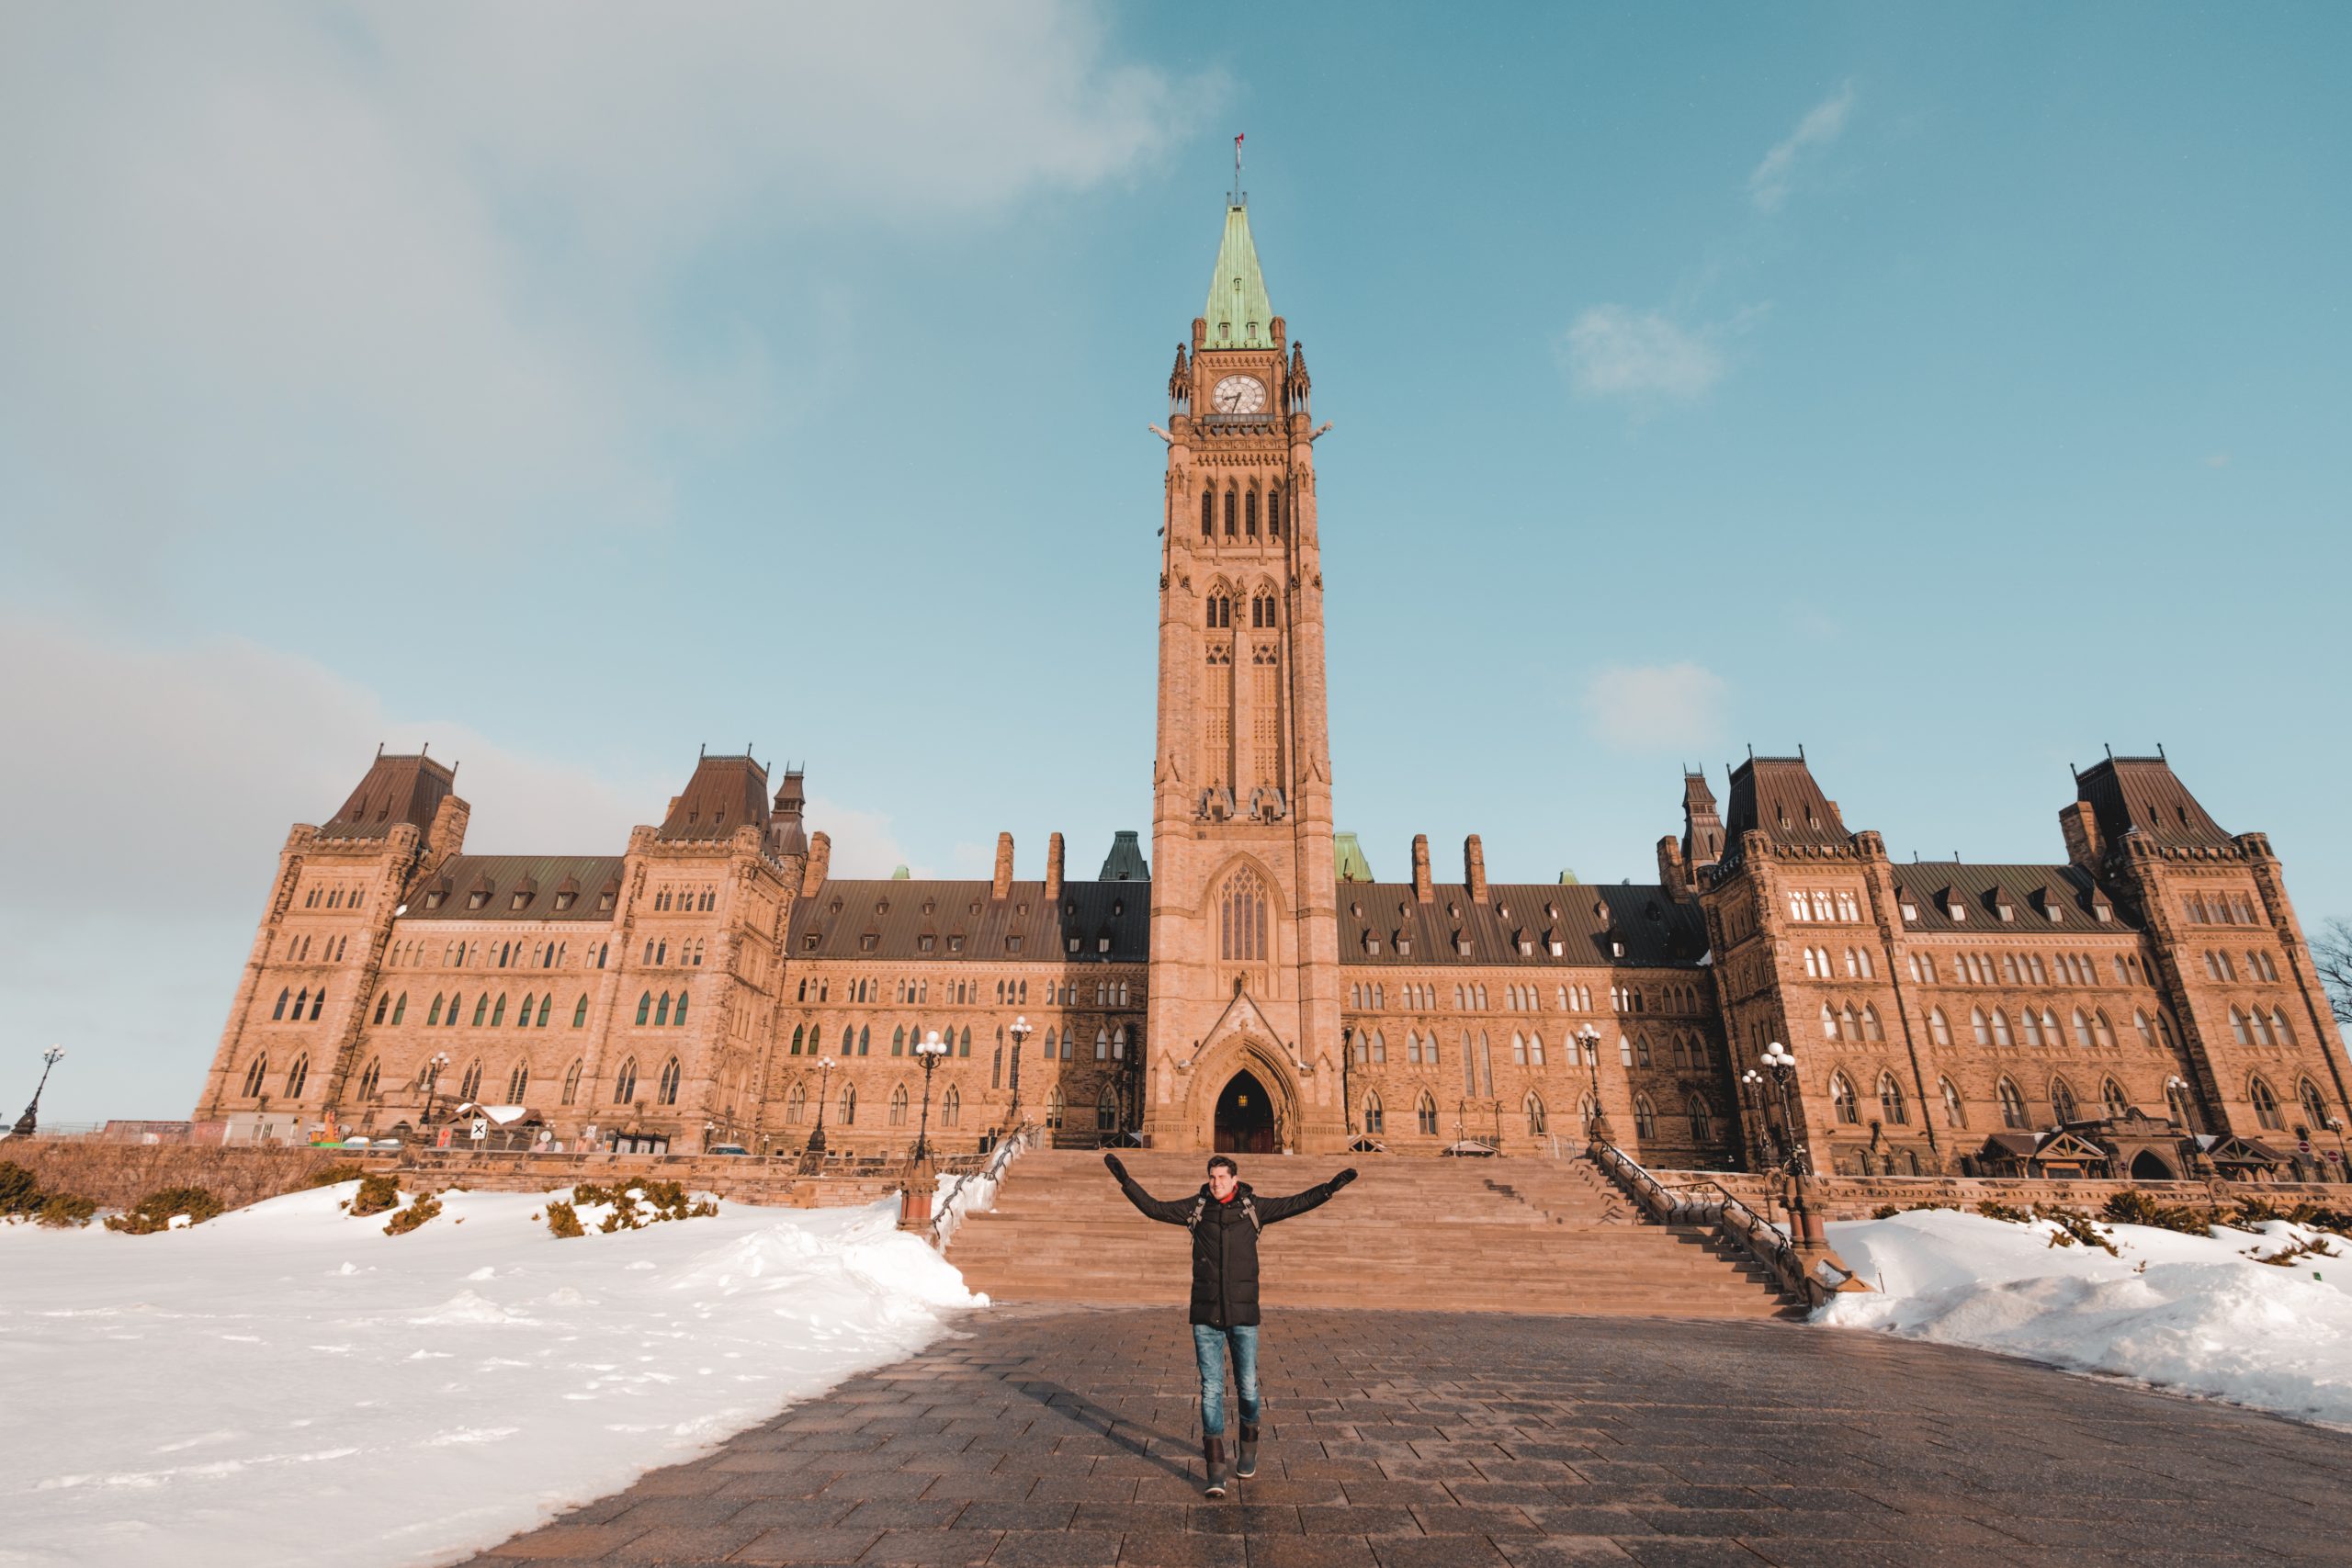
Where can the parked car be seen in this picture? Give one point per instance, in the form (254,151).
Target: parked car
(729,1149)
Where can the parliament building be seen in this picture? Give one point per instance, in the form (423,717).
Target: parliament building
(2146,998)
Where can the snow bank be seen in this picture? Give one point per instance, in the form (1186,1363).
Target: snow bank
(289,1384)
(2194,1314)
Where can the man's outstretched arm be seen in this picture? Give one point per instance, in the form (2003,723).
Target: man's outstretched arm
(1153,1208)
(1273,1208)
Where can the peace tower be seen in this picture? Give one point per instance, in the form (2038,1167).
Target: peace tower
(1244,1010)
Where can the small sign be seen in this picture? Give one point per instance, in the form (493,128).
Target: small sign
(481,1130)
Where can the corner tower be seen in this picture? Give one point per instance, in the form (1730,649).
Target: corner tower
(1244,1019)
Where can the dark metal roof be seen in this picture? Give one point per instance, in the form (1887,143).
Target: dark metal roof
(397,789)
(2143,794)
(2031,891)
(1588,922)
(888,920)
(790,837)
(541,879)
(1124,863)
(723,794)
(1778,796)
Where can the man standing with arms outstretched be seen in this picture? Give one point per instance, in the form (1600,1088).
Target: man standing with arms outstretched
(1224,1218)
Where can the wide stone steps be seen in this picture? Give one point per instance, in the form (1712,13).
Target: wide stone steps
(1503,1235)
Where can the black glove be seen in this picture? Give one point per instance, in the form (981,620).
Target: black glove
(1343,1178)
(1116,1168)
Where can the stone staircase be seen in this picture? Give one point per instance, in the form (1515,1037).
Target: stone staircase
(1531,1235)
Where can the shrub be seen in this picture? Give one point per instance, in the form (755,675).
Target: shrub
(61,1211)
(1993,1208)
(563,1220)
(19,1193)
(2130,1207)
(2073,1226)
(2252,1212)
(332,1176)
(416,1215)
(1884,1212)
(156,1211)
(376,1194)
(2315,1247)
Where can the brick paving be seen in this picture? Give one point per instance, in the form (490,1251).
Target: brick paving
(1052,1438)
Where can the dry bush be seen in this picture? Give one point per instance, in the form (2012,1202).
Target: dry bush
(2130,1207)
(416,1215)
(156,1211)
(60,1212)
(376,1194)
(563,1220)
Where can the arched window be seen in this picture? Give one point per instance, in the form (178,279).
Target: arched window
(1872,1028)
(795,1105)
(470,1086)
(296,1076)
(2278,1022)
(1274,513)
(669,1090)
(848,1112)
(1842,1101)
(1229,504)
(1372,1116)
(517,1083)
(2082,1030)
(2102,1030)
(1056,1106)
(399,1009)
(2012,1104)
(1101,1043)
(284,996)
(624,1083)
(951,1106)
(2266,1104)
(523,1018)
(864,1040)
(1208,512)
(1425,1115)
(572,1082)
(1645,1117)
(368,1079)
(1891,1108)
(2110,1095)
(1981,1025)
(1536,1124)
(547,1005)
(2001,1028)
(661,1010)
(2240,1033)
(1703,1120)
(1828,1022)
(383,1006)
(1241,918)
(898,1106)
(1849,1027)
(2314,1108)
(1939,1028)
(2062,1101)
(1106,1110)
(1249,513)
(1955,1114)
(317,1003)
(2261,1022)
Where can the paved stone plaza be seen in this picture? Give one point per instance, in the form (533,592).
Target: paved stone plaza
(1057,1437)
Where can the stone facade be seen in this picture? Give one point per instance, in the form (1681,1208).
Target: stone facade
(1251,988)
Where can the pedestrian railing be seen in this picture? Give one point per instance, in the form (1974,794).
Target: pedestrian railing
(1714,1206)
(951,1210)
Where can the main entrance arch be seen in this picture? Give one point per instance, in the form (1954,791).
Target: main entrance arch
(1245,1117)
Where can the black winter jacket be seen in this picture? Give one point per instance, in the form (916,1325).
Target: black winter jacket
(1224,1244)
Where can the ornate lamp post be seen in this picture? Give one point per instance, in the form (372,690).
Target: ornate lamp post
(31,1118)
(1751,1088)
(433,1065)
(1021,1032)
(1596,1123)
(1780,1067)
(2176,1092)
(931,1048)
(2343,1166)
(816,1146)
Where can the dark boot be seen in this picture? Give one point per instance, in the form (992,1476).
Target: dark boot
(1213,1453)
(1247,1465)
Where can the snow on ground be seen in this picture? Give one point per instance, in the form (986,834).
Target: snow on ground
(2194,1314)
(288,1384)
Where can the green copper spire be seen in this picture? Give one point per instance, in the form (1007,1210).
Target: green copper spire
(1239,313)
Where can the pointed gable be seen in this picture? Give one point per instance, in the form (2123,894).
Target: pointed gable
(1239,313)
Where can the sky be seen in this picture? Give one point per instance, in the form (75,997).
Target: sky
(1952,391)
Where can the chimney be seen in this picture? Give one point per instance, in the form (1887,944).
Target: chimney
(1003,882)
(1052,867)
(1474,868)
(1421,867)
(2079,823)
(820,858)
(1671,873)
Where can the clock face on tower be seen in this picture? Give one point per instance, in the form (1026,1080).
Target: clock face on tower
(1238,394)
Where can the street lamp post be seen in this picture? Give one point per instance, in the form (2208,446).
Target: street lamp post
(1596,1123)
(817,1139)
(2177,1092)
(2343,1166)
(931,1048)
(31,1118)
(1751,1087)
(1021,1032)
(433,1069)
(1781,1069)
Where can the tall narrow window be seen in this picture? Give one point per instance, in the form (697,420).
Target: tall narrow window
(1890,1101)
(624,1083)
(1425,1115)
(572,1082)
(668,1091)
(518,1083)
(2012,1104)
(1842,1101)
(1228,513)
(371,1077)
(296,1076)
(255,1074)
(1241,918)
(1702,1122)
(2266,1104)
(1274,511)
(1372,1113)
(470,1086)
(1954,1115)
(1249,513)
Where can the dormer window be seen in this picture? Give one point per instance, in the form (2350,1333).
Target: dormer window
(476,898)
(1013,944)
(1404,945)
(810,943)
(604,899)
(1462,943)
(1616,949)
(881,906)
(2006,909)
(869,941)
(1102,944)
(1073,944)
(1118,906)
(564,901)
(954,944)
(925,944)
(2102,912)
(1371,942)
(518,901)
(433,899)
(930,905)
(1551,941)
(836,906)
(1910,912)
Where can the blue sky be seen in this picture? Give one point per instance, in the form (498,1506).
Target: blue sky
(1953,390)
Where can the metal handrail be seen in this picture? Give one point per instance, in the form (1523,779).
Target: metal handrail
(1765,1241)
(994,1171)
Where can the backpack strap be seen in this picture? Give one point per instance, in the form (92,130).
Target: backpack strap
(1249,1208)
(1200,1206)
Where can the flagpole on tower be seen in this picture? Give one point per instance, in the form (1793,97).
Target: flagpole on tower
(1239,198)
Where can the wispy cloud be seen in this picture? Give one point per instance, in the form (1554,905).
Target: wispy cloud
(1648,707)
(1615,351)
(1773,178)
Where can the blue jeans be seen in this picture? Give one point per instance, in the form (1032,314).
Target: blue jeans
(1209,1346)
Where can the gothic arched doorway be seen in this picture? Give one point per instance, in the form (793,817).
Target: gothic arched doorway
(1245,1117)
(2149,1166)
